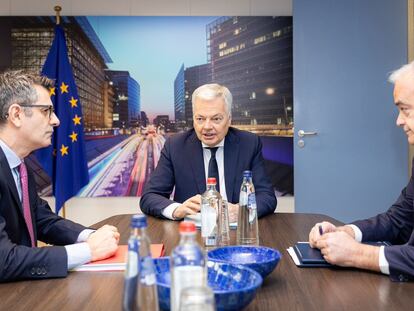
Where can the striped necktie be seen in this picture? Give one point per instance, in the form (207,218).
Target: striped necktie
(25,201)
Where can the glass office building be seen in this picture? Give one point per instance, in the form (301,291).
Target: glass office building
(252,56)
(126,110)
(26,42)
(194,77)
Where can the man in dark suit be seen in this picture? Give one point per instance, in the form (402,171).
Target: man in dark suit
(26,123)
(341,245)
(185,159)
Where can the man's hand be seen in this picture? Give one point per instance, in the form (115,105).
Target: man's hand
(339,248)
(233,212)
(189,207)
(315,234)
(103,242)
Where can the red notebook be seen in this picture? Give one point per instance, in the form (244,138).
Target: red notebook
(117,262)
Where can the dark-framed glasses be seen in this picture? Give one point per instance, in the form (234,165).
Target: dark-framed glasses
(47,109)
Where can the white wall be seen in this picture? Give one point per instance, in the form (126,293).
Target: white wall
(148,7)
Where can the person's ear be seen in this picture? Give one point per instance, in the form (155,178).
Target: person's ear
(15,114)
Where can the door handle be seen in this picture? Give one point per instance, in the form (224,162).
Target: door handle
(302,133)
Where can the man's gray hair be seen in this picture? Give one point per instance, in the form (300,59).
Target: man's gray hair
(17,87)
(211,92)
(402,71)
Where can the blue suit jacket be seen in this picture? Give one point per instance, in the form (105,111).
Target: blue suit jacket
(17,259)
(396,226)
(181,165)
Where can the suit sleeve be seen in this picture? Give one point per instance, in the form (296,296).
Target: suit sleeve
(19,262)
(395,226)
(265,195)
(158,189)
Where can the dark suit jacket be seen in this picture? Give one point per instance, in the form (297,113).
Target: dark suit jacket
(396,226)
(181,165)
(17,259)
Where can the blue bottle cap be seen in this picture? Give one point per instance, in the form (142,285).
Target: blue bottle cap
(247,174)
(139,221)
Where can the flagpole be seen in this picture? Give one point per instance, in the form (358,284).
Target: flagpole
(57,9)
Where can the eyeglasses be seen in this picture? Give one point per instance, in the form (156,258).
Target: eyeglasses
(47,109)
(202,120)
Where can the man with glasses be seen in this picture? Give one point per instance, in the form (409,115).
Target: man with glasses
(342,245)
(27,120)
(211,149)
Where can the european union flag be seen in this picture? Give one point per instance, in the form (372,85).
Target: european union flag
(65,159)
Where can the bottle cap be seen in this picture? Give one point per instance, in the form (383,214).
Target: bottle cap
(187,226)
(139,221)
(211,181)
(247,174)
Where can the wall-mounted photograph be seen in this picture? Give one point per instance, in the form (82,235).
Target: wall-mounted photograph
(135,77)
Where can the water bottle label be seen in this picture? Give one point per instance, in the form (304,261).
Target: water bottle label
(251,201)
(208,221)
(147,273)
(243,198)
(185,276)
(132,264)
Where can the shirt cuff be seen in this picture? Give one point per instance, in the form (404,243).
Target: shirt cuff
(383,262)
(357,233)
(84,235)
(78,254)
(169,210)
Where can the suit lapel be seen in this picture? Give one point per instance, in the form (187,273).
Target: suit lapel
(195,151)
(6,172)
(231,159)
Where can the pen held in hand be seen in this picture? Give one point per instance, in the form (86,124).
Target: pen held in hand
(320,230)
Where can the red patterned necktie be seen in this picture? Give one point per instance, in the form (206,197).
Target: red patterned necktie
(25,201)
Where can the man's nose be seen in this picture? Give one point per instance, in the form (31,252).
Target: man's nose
(400,119)
(54,120)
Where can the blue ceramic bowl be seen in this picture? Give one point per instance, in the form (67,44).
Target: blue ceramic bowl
(234,286)
(259,258)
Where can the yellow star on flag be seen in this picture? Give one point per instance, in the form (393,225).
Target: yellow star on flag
(74,136)
(52,91)
(73,102)
(76,120)
(64,88)
(64,150)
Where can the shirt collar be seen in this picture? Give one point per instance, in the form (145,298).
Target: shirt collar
(12,158)
(220,144)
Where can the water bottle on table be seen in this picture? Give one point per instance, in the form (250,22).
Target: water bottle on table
(210,205)
(247,225)
(188,264)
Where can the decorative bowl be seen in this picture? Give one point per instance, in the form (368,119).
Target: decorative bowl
(259,258)
(234,286)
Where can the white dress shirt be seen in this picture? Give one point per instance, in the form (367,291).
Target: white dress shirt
(383,262)
(169,210)
(78,253)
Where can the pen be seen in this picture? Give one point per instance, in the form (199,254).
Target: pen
(320,230)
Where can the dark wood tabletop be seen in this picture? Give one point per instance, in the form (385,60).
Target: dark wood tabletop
(287,288)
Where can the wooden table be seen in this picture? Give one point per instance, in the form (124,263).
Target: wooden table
(287,288)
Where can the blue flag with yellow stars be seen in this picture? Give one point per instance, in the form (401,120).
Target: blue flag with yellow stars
(65,159)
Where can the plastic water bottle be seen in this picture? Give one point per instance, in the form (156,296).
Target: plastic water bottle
(131,269)
(247,225)
(147,287)
(210,206)
(188,264)
(140,290)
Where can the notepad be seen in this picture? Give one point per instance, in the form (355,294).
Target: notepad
(118,261)
(303,255)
